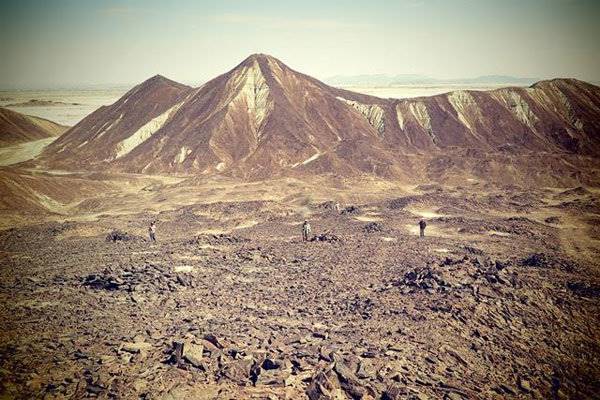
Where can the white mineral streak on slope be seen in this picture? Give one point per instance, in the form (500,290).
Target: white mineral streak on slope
(127,98)
(400,117)
(518,107)
(113,124)
(402,121)
(311,158)
(308,160)
(182,155)
(103,129)
(255,93)
(141,135)
(467,109)
(372,112)
(419,111)
(463,103)
(542,99)
(572,119)
(247,88)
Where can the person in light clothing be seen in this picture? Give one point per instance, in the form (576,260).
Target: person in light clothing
(152,231)
(305,231)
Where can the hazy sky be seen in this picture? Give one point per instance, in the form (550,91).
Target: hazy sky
(69,42)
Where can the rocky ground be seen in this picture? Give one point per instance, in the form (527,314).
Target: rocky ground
(500,300)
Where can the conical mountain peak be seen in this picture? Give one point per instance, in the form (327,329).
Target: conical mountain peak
(260,57)
(266,64)
(160,80)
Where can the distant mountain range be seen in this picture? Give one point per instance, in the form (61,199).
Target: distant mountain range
(411,79)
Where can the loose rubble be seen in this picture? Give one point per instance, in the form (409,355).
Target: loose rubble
(372,227)
(118,236)
(325,237)
(257,313)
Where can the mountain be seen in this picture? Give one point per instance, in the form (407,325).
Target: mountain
(18,128)
(259,119)
(111,131)
(263,119)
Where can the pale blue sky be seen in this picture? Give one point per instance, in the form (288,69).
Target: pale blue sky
(69,42)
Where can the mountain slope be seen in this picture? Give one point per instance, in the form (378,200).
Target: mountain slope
(16,128)
(257,119)
(112,130)
(550,116)
(263,119)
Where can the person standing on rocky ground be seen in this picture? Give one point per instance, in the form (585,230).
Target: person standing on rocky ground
(422,226)
(305,231)
(152,231)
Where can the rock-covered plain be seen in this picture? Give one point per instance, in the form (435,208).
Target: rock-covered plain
(500,300)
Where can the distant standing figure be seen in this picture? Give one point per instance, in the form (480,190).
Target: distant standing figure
(305,231)
(152,231)
(422,226)
(337,207)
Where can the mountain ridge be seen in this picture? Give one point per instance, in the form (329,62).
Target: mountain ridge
(262,119)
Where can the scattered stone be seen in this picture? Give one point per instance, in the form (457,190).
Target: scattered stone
(351,210)
(214,340)
(524,385)
(192,353)
(106,282)
(119,236)
(95,389)
(542,260)
(372,227)
(325,237)
(272,378)
(401,202)
(539,260)
(394,392)
(348,380)
(584,290)
(239,371)
(329,205)
(136,347)
(323,386)
(473,250)
(176,352)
